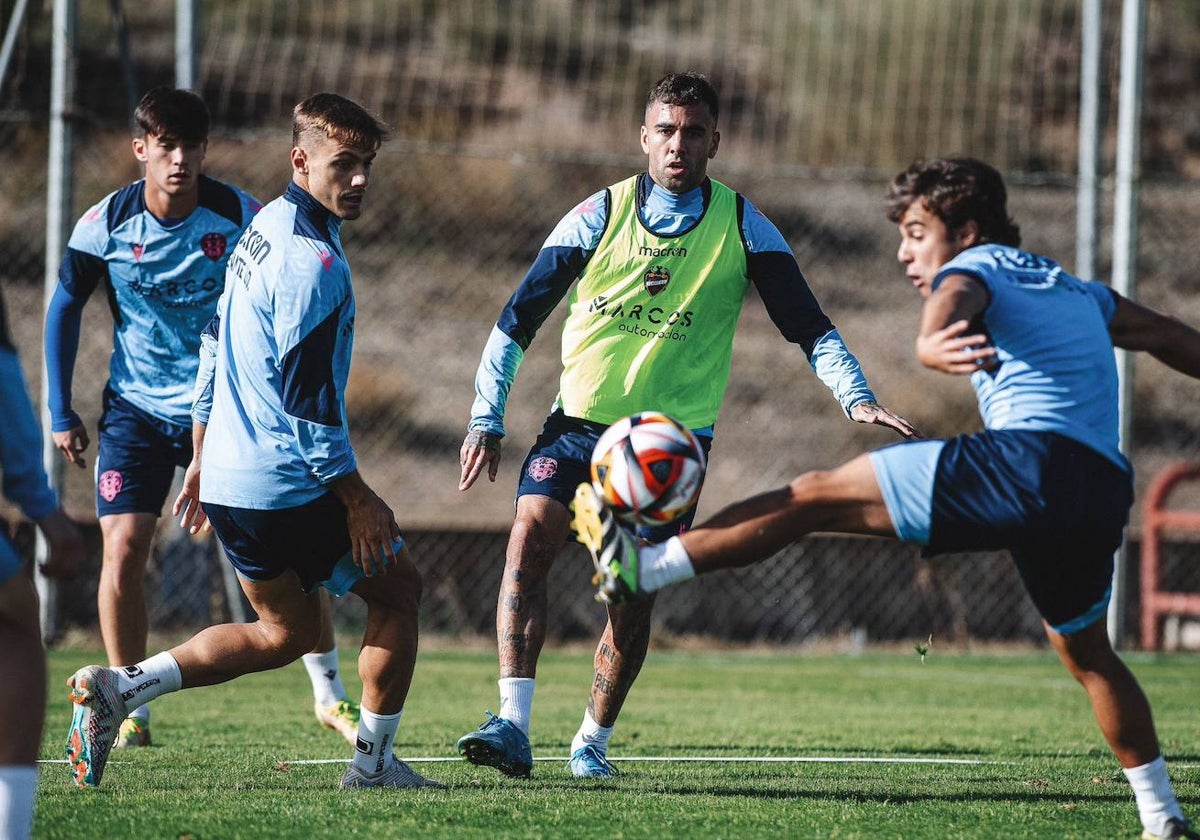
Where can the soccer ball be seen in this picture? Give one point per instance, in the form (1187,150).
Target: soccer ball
(648,468)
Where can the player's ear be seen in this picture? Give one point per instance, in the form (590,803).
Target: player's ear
(299,161)
(967,235)
(716,141)
(645,136)
(139,149)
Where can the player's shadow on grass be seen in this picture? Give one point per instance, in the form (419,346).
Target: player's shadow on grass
(739,791)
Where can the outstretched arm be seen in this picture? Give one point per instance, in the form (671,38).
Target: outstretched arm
(1172,342)
(790,302)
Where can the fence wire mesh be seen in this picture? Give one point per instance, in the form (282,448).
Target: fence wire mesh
(505,116)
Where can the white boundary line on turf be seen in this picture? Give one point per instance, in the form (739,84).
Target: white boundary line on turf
(701,758)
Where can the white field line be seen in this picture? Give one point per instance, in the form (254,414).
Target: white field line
(795,759)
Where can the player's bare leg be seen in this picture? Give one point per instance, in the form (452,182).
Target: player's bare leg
(24,665)
(619,658)
(846,500)
(538,534)
(389,649)
(1125,719)
(1117,700)
(539,531)
(617,662)
(121,594)
(287,627)
(385,664)
(121,603)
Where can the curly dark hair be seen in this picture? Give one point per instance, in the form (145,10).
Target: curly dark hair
(685,89)
(957,191)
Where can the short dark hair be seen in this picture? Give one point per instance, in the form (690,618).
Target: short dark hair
(685,89)
(335,116)
(957,191)
(165,111)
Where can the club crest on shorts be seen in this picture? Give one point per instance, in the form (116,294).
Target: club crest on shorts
(110,484)
(213,245)
(656,279)
(541,468)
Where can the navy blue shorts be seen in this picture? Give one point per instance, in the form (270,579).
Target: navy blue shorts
(561,459)
(1058,506)
(262,544)
(136,458)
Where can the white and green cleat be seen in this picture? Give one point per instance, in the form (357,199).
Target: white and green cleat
(342,717)
(613,549)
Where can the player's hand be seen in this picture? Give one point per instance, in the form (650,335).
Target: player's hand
(479,450)
(374,534)
(72,443)
(187,503)
(952,350)
(65,544)
(870,412)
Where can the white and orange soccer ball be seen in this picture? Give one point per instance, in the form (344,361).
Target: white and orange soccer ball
(648,468)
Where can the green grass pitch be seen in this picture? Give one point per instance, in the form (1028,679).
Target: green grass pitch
(1024,758)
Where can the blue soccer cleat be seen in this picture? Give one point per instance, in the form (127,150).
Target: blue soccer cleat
(498,743)
(588,762)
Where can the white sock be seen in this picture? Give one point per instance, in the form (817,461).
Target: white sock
(1155,798)
(18,785)
(150,678)
(373,750)
(325,677)
(141,714)
(663,564)
(516,701)
(592,733)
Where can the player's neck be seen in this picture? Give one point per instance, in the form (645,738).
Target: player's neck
(163,205)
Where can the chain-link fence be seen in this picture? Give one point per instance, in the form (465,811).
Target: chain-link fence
(506,115)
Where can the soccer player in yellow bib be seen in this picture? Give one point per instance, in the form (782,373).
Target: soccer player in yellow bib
(657,267)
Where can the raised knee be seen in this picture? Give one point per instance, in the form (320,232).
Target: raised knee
(287,644)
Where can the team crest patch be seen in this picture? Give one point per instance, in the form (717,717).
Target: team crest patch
(110,484)
(656,279)
(213,245)
(138,249)
(541,468)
